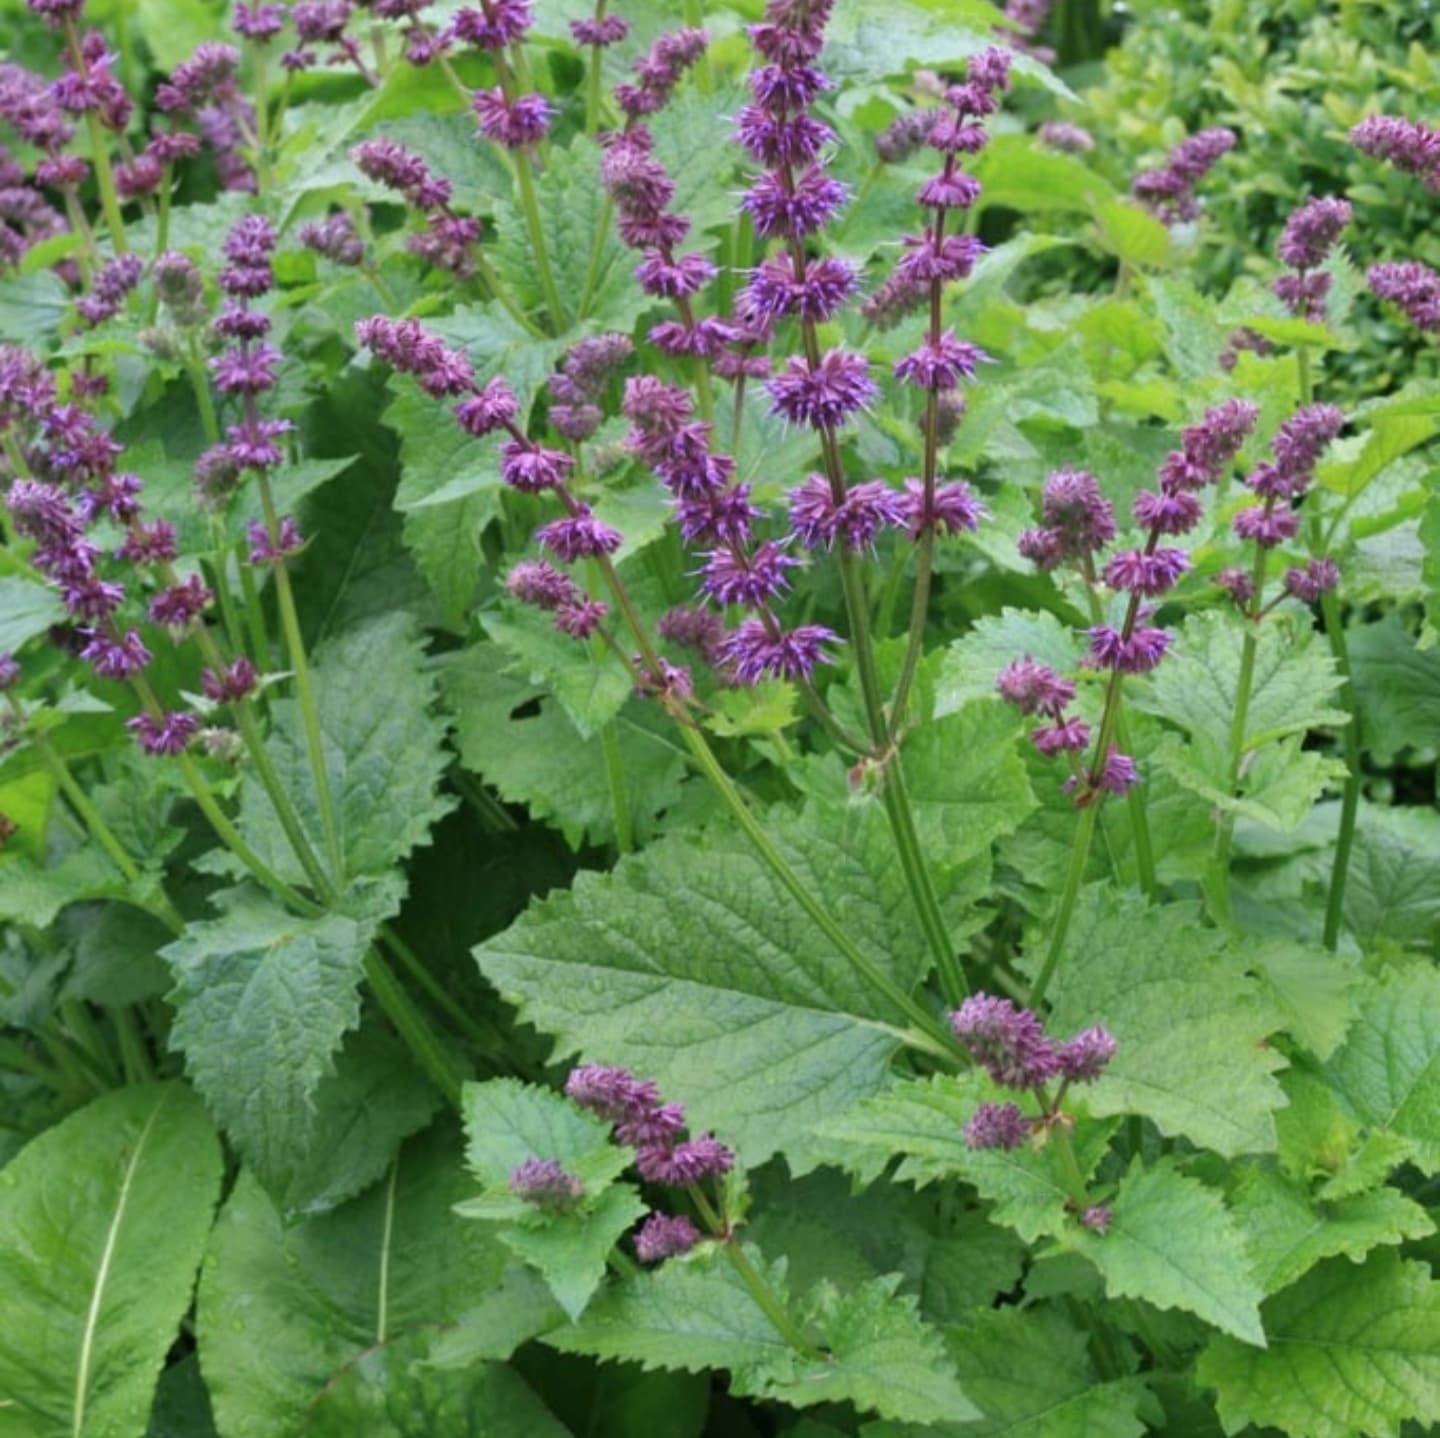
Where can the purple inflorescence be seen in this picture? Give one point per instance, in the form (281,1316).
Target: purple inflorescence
(1009,1043)
(1413,287)
(653,1128)
(661,1237)
(1169,192)
(1309,235)
(1406,144)
(997,1125)
(545,1183)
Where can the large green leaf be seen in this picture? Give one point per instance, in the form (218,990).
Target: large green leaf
(1397,687)
(1388,1072)
(1029,1373)
(383,747)
(389,1392)
(534,755)
(972,663)
(103,1221)
(1352,1350)
(26,610)
(262,1000)
(1286,1234)
(285,1311)
(968,780)
(691,963)
(1172,1243)
(698,1314)
(1190,1023)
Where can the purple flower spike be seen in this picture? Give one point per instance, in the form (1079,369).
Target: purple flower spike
(997,1125)
(9,671)
(516,124)
(943,365)
(532,581)
(182,604)
(530,468)
(232,684)
(1318,577)
(166,735)
(954,509)
(1414,287)
(1009,1043)
(733,577)
(685,1163)
(580,618)
(1068,736)
(1138,654)
(613,1093)
(544,1183)
(1267,527)
(1147,574)
(266,548)
(1406,144)
(119,658)
(661,1237)
(1083,1058)
(1118,774)
(823,396)
(1311,232)
(1033,688)
(578,536)
(1097,1218)
(752,654)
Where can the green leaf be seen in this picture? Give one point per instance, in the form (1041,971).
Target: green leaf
(1393,887)
(533,754)
(1388,1072)
(1132,236)
(1030,1374)
(968,780)
(515,1311)
(1397,688)
(1290,333)
(697,1314)
(285,1311)
(102,1223)
(507,1122)
(374,1100)
(923,1123)
(26,610)
(592,688)
(1197,685)
(1286,1234)
(32,308)
(572,206)
(1190,1023)
(262,1000)
(383,747)
(1018,174)
(30,894)
(692,964)
(1313,988)
(1172,1243)
(1352,1350)
(387,1393)
(1194,336)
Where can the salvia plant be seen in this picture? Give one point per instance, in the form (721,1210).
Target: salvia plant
(716,720)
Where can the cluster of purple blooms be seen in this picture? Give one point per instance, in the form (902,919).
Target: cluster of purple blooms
(1309,235)
(663,1155)
(71,482)
(1169,192)
(247,369)
(1078,522)
(206,89)
(447,240)
(1067,138)
(335,238)
(1414,148)
(1280,483)
(1024,20)
(1011,1045)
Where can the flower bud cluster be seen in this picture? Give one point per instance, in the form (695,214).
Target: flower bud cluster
(1408,145)
(663,1153)
(1169,192)
(1309,235)
(447,240)
(206,88)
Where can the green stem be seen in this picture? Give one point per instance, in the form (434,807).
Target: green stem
(410,1024)
(89,814)
(883,985)
(525,180)
(435,991)
(262,115)
(695,20)
(917,877)
(1079,857)
(592,85)
(200,386)
(105,180)
(1350,798)
(220,579)
(134,1056)
(494,814)
(304,692)
(502,296)
(254,616)
(597,249)
(615,777)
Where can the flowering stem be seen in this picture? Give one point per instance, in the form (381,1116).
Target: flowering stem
(592,91)
(411,1025)
(262,115)
(1079,857)
(597,248)
(304,690)
(500,293)
(434,990)
(195,370)
(710,766)
(1350,798)
(525,181)
(765,1297)
(103,834)
(105,180)
(1139,818)
(254,616)
(615,777)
